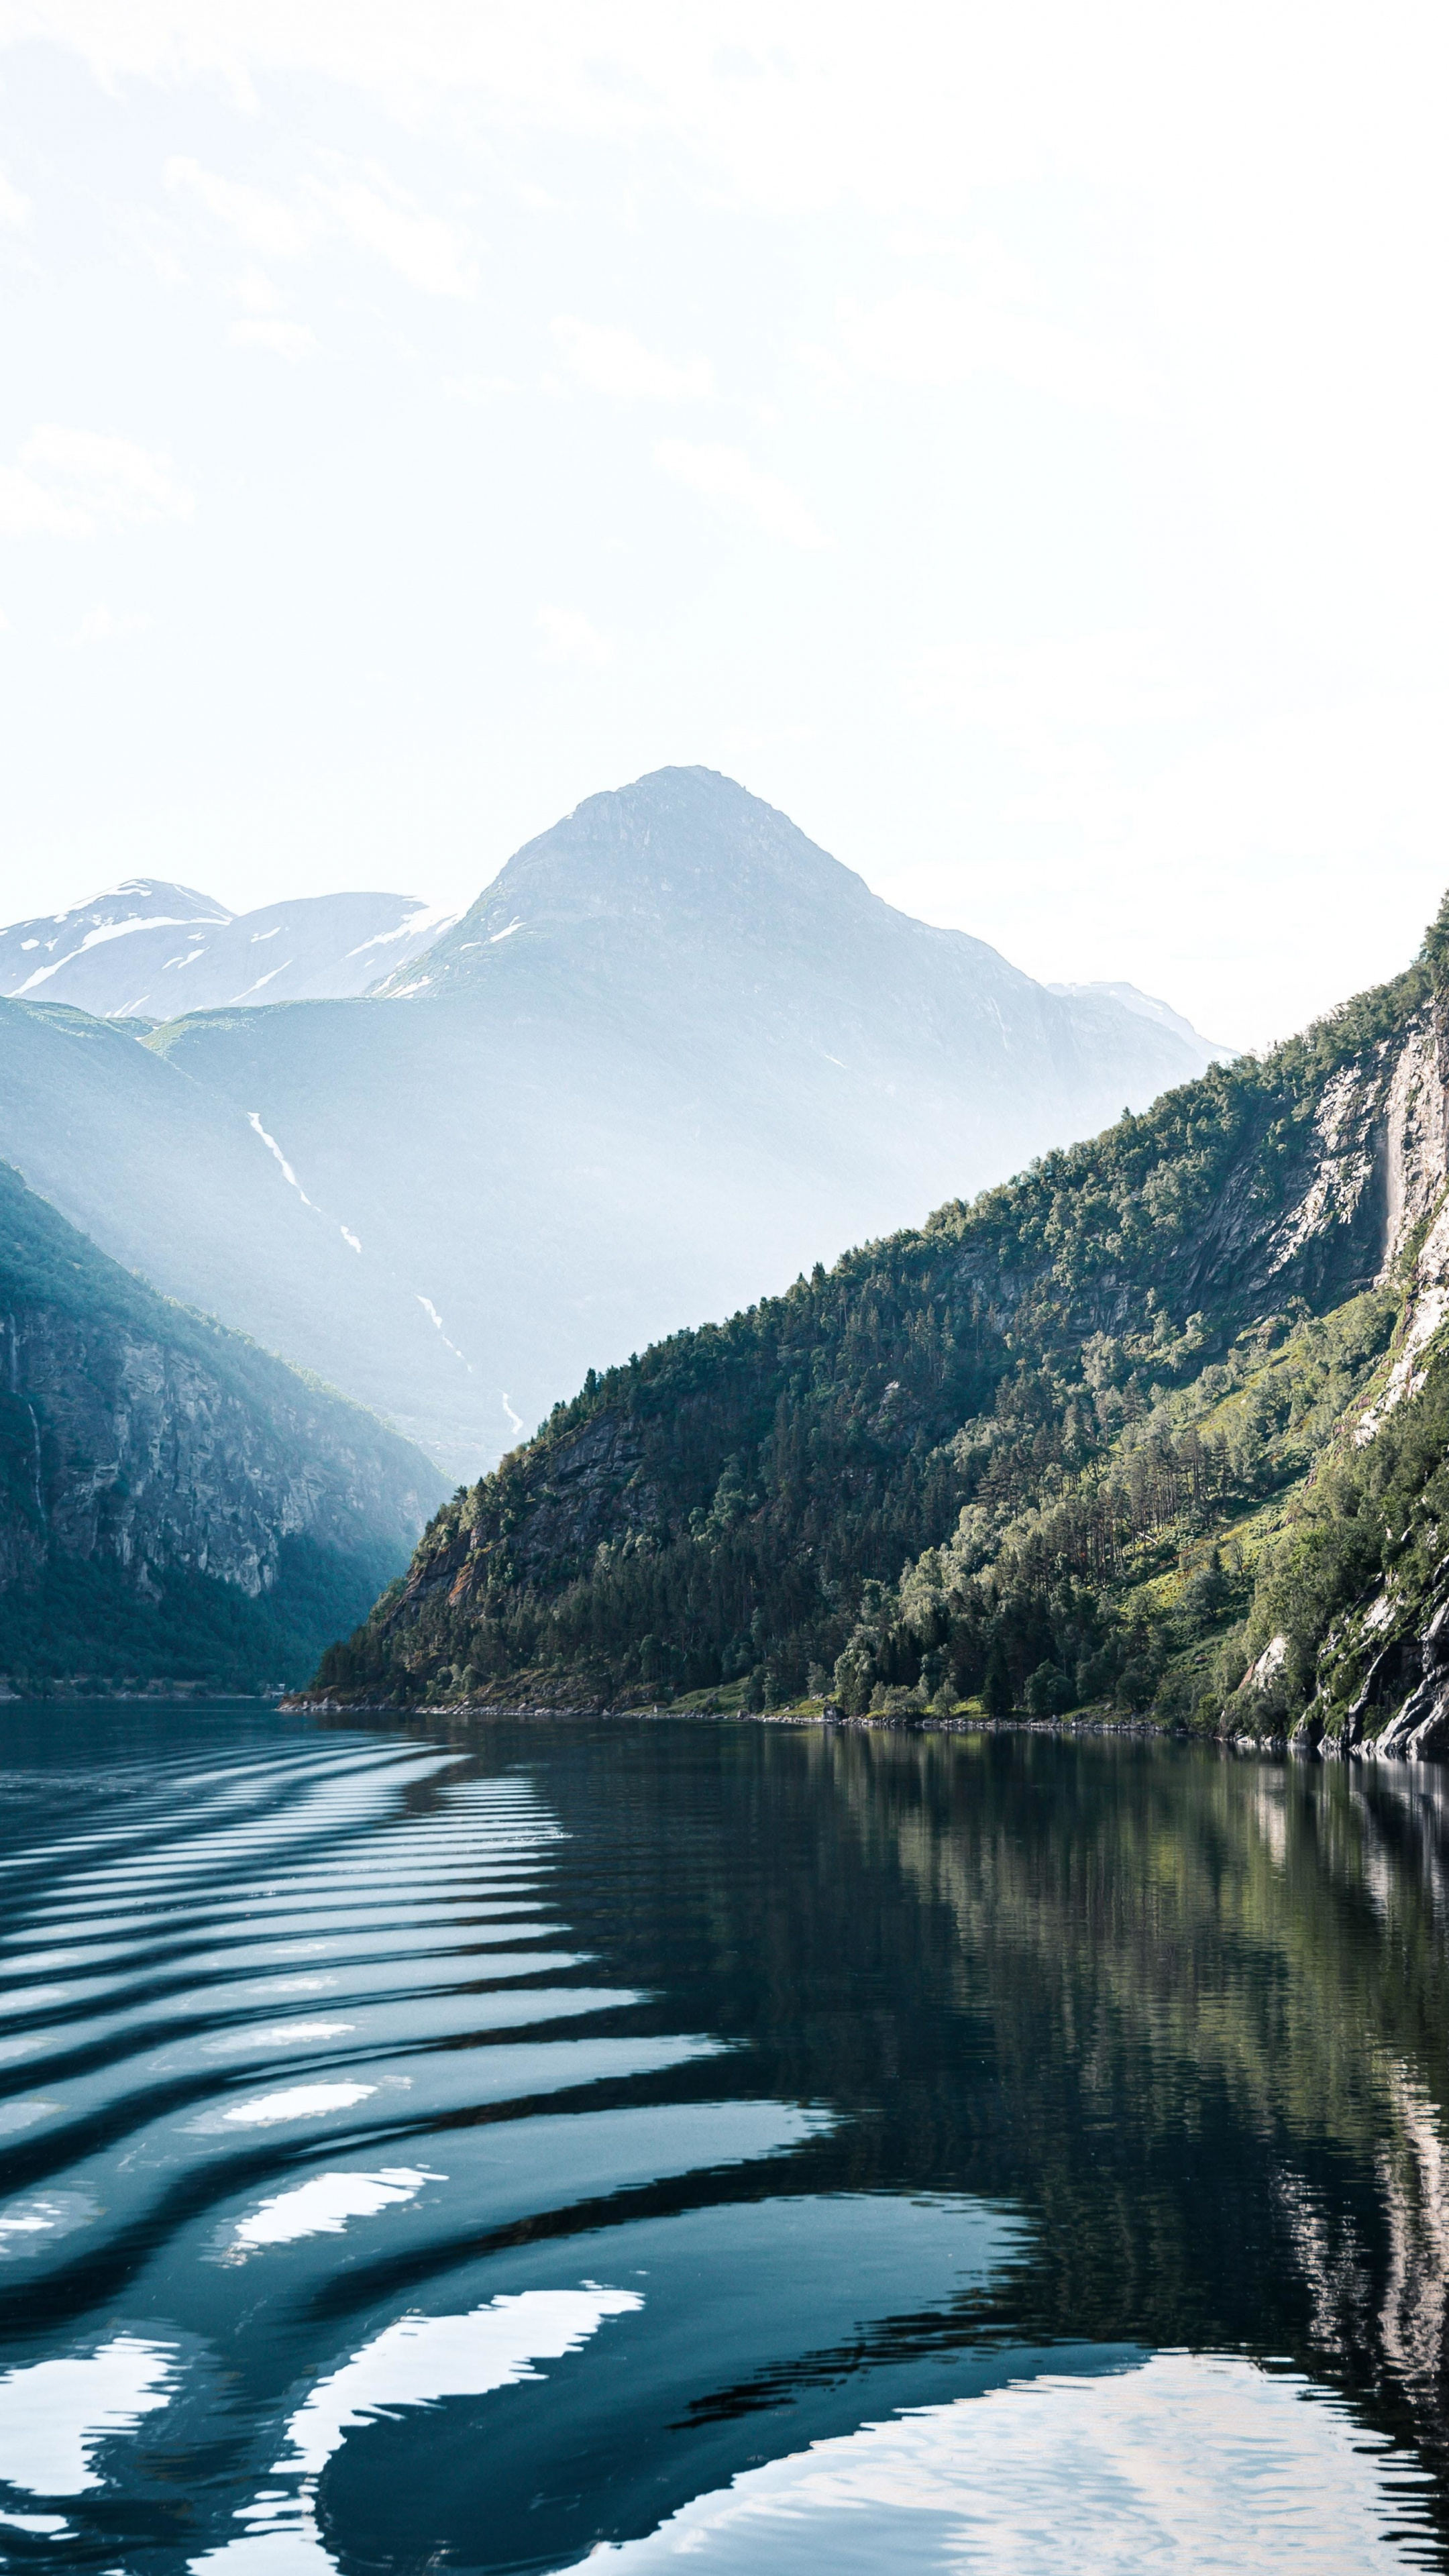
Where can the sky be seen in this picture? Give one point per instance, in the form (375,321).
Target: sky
(1010,440)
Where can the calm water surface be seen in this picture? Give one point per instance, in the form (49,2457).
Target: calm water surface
(538,2145)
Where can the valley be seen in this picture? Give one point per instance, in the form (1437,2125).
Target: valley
(673,1055)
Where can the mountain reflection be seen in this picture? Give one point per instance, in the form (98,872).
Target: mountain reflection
(1185,2010)
(487,2144)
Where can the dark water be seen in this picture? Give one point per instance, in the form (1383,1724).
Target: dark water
(549,2144)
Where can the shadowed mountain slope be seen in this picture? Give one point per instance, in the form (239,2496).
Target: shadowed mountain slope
(173,1502)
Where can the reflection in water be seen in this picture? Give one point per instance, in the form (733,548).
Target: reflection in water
(323,2207)
(1183,2466)
(55,2415)
(416,2362)
(512,2144)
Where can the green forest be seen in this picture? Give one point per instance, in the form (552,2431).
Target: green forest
(1083,1443)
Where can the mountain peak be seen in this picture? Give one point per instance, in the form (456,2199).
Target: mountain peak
(680,856)
(148,892)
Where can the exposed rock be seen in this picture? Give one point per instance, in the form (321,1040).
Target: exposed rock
(1421,1725)
(142,1439)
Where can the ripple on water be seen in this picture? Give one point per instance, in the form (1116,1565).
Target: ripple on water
(384,2204)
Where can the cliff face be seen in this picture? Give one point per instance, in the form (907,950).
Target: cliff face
(1137,1425)
(143,1447)
(125,1447)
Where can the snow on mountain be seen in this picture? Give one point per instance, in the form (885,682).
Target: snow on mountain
(151,950)
(674,1054)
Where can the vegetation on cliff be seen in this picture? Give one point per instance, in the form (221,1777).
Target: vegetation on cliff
(1085,1441)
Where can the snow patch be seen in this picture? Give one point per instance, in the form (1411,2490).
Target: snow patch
(272,972)
(429,921)
(98,938)
(437,1321)
(288,1175)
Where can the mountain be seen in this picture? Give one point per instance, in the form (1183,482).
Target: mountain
(147,950)
(173,1502)
(1148,1007)
(674,1053)
(184,1188)
(1159,1426)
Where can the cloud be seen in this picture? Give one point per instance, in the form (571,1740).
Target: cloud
(101,625)
(726,474)
(268,331)
(15,209)
(568,637)
(264,325)
(480,390)
(253,216)
(433,255)
(615,362)
(1032,695)
(255,290)
(75,482)
(921,336)
(829,376)
(29,508)
(352,202)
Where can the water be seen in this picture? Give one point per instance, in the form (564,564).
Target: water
(537,2145)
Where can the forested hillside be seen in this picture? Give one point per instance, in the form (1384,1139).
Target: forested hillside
(1098,1438)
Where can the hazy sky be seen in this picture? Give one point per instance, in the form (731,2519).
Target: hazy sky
(1014,440)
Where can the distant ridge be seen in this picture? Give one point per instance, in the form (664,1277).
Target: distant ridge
(1147,1005)
(148,949)
(674,1054)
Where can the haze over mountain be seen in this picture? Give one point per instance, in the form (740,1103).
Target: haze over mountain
(1132,998)
(674,1054)
(173,1501)
(148,949)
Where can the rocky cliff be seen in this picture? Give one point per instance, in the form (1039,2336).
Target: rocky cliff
(155,1469)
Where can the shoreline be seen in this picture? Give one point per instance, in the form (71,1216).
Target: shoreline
(874,1721)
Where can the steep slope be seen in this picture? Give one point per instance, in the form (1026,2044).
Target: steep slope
(1160,1423)
(173,1501)
(194,1192)
(674,1054)
(146,950)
